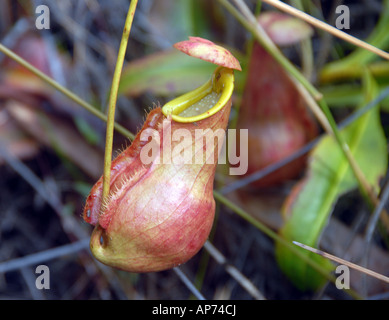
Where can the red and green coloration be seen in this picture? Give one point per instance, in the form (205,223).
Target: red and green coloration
(272,109)
(159,214)
(208,51)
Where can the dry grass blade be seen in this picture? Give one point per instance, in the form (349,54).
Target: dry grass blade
(93,56)
(242,182)
(234,272)
(188,284)
(376,214)
(68,93)
(45,255)
(250,22)
(326,27)
(344,262)
(372,223)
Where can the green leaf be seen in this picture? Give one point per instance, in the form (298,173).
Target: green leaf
(164,73)
(310,204)
(356,61)
(350,94)
(167,73)
(87,131)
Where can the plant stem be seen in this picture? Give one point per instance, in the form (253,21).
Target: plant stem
(256,223)
(326,27)
(306,48)
(243,214)
(344,262)
(62,89)
(248,20)
(218,196)
(113,99)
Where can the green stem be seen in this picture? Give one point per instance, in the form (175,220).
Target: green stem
(248,20)
(243,214)
(113,98)
(306,47)
(256,223)
(273,235)
(62,89)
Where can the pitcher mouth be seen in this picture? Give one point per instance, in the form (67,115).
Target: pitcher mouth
(220,86)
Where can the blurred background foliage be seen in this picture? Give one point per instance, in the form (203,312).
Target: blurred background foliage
(51,149)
